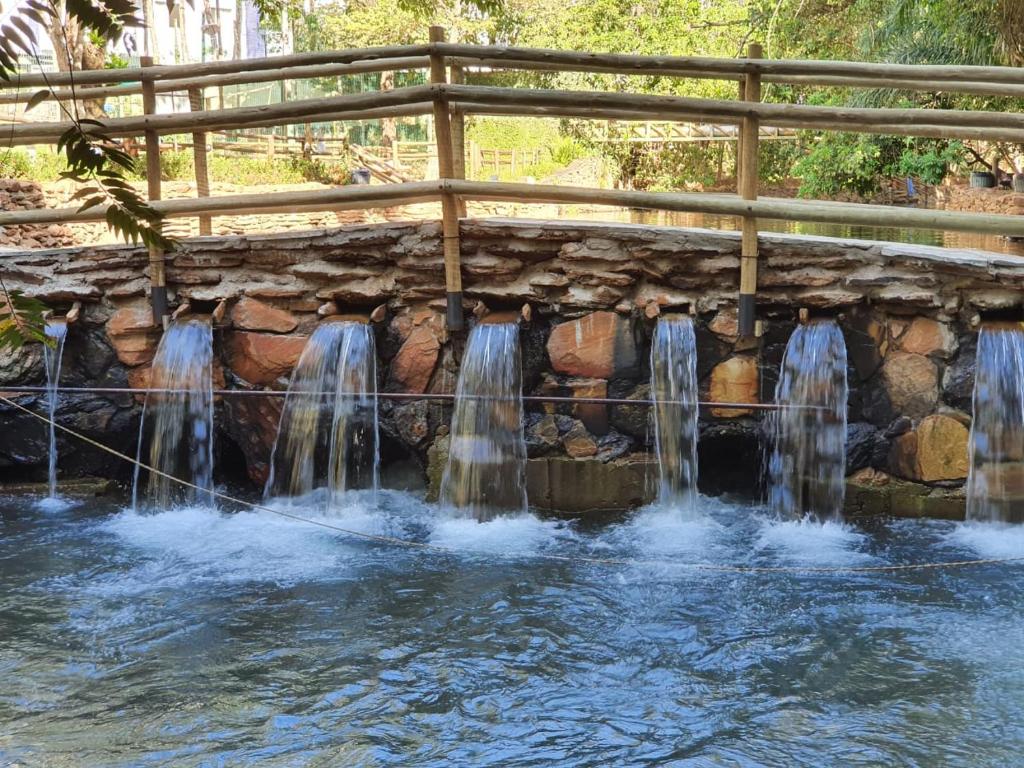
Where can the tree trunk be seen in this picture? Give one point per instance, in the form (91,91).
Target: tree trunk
(75,52)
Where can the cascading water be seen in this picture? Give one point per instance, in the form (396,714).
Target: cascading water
(674,390)
(179,423)
(807,466)
(486,471)
(995,485)
(56,331)
(329,425)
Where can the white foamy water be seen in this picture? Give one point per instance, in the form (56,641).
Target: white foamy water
(54,504)
(659,531)
(200,544)
(988,540)
(513,535)
(807,542)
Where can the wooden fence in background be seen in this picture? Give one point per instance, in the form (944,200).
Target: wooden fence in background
(449,99)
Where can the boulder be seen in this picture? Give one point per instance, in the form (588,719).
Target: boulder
(934,452)
(132,334)
(599,345)
(865,447)
(912,383)
(253,315)
(413,366)
(411,422)
(634,420)
(541,432)
(734,381)
(252,424)
(579,443)
(262,358)
(726,324)
(928,337)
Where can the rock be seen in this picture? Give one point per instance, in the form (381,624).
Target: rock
(926,337)
(23,365)
(132,334)
(599,345)
(613,446)
(935,451)
(252,424)
(726,324)
(413,366)
(958,379)
(865,341)
(579,443)
(593,415)
(437,460)
(411,422)
(734,381)
(634,420)
(574,486)
(541,434)
(870,492)
(865,447)
(262,358)
(253,315)
(912,384)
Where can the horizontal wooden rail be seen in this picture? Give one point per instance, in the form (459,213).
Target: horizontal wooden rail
(227,79)
(233,66)
(871,73)
(948,123)
(387,195)
(1007,81)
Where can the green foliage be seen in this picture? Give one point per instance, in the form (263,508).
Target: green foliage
(21,318)
(859,163)
(246,171)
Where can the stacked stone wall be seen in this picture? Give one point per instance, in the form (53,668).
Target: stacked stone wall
(593,294)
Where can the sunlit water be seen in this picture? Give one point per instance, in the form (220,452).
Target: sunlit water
(57,333)
(195,637)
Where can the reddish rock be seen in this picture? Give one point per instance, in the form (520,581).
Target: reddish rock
(413,366)
(593,415)
(926,336)
(131,319)
(252,423)
(261,358)
(253,315)
(734,381)
(599,345)
(132,334)
(726,324)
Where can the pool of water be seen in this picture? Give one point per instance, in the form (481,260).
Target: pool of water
(192,637)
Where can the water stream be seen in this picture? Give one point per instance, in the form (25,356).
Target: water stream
(57,331)
(807,464)
(674,390)
(178,424)
(995,485)
(328,433)
(486,471)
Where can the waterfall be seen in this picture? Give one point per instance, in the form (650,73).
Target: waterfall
(328,433)
(807,465)
(57,331)
(995,485)
(486,471)
(674,390)
(179,423)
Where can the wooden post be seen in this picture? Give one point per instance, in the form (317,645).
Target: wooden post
(747,183)
(458,121)
(195,102)
(449,204)
(157,272)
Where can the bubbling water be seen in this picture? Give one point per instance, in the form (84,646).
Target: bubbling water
(995,485)
(674,391)
(807,465)
(486,471)
(179,423)
(328,433)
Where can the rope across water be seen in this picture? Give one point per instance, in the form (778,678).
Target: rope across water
(424,546)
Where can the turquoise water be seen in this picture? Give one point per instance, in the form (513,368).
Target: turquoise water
(193,637)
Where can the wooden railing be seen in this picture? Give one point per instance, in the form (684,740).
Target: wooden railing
(449,99)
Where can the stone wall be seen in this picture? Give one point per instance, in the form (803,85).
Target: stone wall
(18,195)
(909,315)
